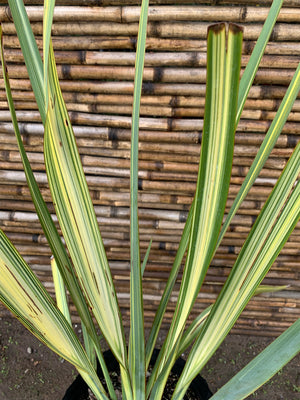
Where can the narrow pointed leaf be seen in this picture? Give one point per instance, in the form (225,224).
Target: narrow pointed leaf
(223,70)
(47,26)
(53,238)
(263,366)
(193,331)
(77,218)
(266,239)
(30,52)
(23,294)
(146,257)
(256,56)
(137,337)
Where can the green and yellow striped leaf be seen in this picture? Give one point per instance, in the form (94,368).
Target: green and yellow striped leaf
(223,72)
(136,353)
(61,258)
(267,237)
(23,294)
(77,218)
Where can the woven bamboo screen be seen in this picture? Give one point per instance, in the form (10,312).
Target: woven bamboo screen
(95,44)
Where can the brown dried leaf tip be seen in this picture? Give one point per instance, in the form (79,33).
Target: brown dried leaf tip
(217,28)
(235,29)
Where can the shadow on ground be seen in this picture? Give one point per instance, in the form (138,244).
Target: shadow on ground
(30,371)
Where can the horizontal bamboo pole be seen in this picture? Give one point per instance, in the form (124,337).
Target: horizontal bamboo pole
(171,106)
(209,13)
(154,111)
(288,3)
(126,14)
(159,44)
(185,102)
(156,124)
(179,29)
(156,75)
(158,59)
(149,88)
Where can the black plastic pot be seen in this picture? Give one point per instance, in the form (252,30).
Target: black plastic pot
(198,389)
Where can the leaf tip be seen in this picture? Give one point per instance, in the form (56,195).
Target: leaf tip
(235,29)
(217,28)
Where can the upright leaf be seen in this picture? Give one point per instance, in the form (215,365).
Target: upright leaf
(47,26)
(30,52)
(137,338)
(256,56)
(267,237)
(223,70)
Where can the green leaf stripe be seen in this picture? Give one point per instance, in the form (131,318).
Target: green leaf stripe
(77,218)
(137,339)
(24,295)
(223,71)
(263,366)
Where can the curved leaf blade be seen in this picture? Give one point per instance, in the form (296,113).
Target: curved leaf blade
(265,148)
(50,231)
(23,294)
(77,218)
(263,366)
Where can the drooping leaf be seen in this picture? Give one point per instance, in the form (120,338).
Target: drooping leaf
(23,294)
(50,231)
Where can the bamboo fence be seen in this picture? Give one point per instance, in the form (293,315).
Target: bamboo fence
(95,44)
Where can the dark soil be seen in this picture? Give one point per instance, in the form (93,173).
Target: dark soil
(29,371)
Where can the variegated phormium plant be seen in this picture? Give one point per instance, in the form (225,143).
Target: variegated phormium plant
(84,269)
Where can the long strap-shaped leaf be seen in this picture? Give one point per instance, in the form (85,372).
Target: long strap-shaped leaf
(266,239)
(256,56)
(28,300)
(223,71)
(61,258)
(265,148)
(245,85)
(90,337)
(263,366)
(46,221)
(30,52)
(168,289)
(77,217)
(137,337)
